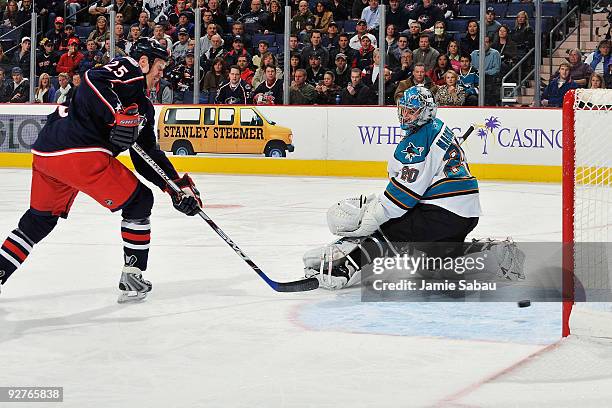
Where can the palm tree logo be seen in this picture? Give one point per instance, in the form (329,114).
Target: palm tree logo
(487,129)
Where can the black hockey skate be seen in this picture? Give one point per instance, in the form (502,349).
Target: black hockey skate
(132,286)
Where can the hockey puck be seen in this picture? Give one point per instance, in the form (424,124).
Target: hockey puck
(524,303)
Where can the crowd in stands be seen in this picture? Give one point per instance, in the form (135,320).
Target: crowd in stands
(333,50)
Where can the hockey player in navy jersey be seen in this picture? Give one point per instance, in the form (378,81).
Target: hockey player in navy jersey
(431,197)
(76,152)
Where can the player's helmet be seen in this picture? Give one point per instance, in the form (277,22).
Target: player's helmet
(420,101)
(149,47)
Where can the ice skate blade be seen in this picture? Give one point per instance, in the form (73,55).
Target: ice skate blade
(131,297)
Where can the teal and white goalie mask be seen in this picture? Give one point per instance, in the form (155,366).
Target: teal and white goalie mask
(415,108)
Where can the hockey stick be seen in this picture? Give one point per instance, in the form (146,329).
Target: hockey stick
(466,134)
(295,286)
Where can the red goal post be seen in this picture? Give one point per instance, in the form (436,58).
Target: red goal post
(587,200)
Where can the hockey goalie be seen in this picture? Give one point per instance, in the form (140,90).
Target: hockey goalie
(431,197)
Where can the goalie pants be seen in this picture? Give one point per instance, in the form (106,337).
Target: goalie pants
(428,223)
(428,228)
(56,181)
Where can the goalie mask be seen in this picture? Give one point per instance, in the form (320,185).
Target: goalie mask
(415,108)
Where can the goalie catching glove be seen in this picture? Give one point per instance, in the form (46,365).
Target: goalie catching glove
(356,216)
(188,201)
(126,129)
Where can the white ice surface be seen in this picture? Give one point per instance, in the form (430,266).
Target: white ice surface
(212,334)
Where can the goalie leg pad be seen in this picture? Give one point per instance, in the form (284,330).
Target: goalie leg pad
(334,252)
(508,259)
(338,264)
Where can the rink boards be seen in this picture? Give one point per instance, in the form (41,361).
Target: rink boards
(519,144)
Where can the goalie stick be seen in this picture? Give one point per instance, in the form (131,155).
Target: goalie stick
(295,286)
(466,134)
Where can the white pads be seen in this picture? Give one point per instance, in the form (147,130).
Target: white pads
(345,215)
(356,216)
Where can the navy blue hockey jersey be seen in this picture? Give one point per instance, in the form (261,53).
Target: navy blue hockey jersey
(86,124)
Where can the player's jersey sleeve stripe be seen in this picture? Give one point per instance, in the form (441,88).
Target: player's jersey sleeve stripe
(405,189)
(104,99)
(129,81)
(396,201)
(451,187)
(451,194)
(449,180)
(402,197)
(98,94)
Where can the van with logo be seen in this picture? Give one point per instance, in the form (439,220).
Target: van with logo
(191,129)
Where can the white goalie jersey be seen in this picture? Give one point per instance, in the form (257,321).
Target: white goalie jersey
(429,167)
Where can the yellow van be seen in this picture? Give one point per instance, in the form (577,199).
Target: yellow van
(191,129)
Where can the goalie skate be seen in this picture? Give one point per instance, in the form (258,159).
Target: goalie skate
(132,286)
(335,277)
(332,265)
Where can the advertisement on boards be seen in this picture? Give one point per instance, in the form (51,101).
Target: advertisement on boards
(501,135)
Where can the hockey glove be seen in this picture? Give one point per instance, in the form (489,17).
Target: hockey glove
(189,202)
(125,131)
(356,217)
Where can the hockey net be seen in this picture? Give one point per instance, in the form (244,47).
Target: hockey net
(587,212)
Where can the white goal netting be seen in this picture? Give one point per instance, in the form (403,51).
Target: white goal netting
(592,212)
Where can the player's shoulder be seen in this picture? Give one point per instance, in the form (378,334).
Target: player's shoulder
(122,68)
(433,129)
(128,62)
(416,146)
(437,125)
(413,148)
(428,133)
(441,135)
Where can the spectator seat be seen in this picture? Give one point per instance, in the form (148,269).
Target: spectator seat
(349,26)
(514,8)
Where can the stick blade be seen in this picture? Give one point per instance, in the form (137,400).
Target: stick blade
(303,285)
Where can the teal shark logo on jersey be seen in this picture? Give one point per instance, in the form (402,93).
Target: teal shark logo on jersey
(412,151)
